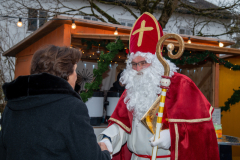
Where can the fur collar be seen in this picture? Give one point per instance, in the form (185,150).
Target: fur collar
(37,84)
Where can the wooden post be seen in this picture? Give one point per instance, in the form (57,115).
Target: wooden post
(215,69)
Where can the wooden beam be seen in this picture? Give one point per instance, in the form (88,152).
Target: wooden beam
(213,83)
(201,47)
(101,36)
(193,46)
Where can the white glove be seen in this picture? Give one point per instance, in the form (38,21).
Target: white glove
(164,141)
(108,144)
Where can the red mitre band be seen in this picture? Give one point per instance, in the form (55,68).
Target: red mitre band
(145,34)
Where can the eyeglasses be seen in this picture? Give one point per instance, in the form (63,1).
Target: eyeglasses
(140,64)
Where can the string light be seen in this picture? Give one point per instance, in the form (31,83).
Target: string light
(19,23)
(98,51)
(220,44)
(116,31)
(73,24)
(189,40)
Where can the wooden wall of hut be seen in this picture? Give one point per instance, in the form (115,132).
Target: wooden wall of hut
(202,76)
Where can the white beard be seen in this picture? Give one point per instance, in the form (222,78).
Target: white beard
(143,87)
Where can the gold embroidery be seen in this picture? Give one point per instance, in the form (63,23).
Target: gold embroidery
(141,30)
(176,141)
(193,120)
(156,23)
(121,124)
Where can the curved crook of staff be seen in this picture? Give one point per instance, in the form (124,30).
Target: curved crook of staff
(170,48)
(165,79)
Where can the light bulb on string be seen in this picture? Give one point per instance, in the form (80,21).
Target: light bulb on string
(19,23)
(73,24)
(116,31)
(98,51)
(189,40)
(220,44)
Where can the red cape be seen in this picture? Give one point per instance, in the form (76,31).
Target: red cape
(189,119)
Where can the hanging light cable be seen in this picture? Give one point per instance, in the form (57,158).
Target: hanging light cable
(19,23)
(73,24)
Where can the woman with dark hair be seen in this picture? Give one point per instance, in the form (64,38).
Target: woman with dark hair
(44,117)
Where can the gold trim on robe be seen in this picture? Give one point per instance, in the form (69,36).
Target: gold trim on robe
(121,124)
(193,120)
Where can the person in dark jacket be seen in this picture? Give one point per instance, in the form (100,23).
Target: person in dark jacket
(45,119)
(117,87)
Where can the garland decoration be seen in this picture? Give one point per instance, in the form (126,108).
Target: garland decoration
(235,98)
(103,63)
(91,43)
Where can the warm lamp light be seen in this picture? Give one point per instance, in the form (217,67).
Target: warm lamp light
(116,31)
(189,40)
(73,24)
(220,44)
(19,23)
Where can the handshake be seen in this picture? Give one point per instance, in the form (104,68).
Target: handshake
(105,144)
(163,142)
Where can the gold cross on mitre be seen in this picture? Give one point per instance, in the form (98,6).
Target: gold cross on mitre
(141,30)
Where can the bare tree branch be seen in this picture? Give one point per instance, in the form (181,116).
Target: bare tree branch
(110,19)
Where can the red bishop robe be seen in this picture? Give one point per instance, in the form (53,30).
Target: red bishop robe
(189,119)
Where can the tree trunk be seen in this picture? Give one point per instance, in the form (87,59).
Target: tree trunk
(168,9)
